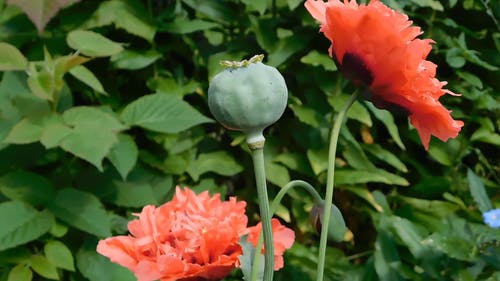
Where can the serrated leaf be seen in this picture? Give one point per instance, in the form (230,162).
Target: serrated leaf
(92,44)
(220,162)
(41,11)
(478,192)
(20,272)
(356,111)
(27,186)
(93,116)
(162,113)
(86,144)
(44,267)
(135,59)
(59,255)
(81,210)
(21,224)
(11,58)
(128,15)
(386,156)
(86,76)
(352,177)
(123,155)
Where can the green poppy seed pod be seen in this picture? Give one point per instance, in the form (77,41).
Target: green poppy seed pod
(248,96)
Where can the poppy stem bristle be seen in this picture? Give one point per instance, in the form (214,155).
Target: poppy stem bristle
(330,184)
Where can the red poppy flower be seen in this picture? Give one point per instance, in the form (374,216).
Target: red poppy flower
(192,237)
(376,46)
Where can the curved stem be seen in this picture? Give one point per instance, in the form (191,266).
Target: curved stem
(296,183)
(329,185)
(265,214)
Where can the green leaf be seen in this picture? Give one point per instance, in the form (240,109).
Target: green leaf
(434,4)
(22,224)
(123,155)
(92,44)
(30,129)
(256,5)
(91,142)
(162,113)
(128,15)
(185,26)
(92,116)
(307,115)
(53,134)
(386,156)
(246,260)
(20,272)
(357,111)
(277,174)
(59,255)
(130,194)
(44,267)
(410,234)
(478,192)
(41,11)
(316,58)
(318,160)
(81,210)
(220,162)
(27,186)
(133,60)
(285,48)
(41,84)
(357,176)
(86,76)
(386,253)
(385,117)
(11,58)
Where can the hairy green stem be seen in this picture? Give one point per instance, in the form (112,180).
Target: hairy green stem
(265,214)
(329,185)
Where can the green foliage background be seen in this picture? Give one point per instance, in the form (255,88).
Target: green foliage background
(84,143)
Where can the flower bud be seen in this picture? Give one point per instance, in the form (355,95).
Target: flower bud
(336,226)
(248,96)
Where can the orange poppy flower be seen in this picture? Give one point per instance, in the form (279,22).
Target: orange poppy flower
(376,46)
(192,237)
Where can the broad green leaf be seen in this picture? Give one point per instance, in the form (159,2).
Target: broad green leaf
(123,155)
(247,259)
(93,116)
(386,156)
(135,59)
(276,174)
(295,161)
(353,152)
(453,245)
(21,223)
(434,4)
(385,117)
(11,58)
(364,193)
(59,255)
(27,186)
(162,113)
(41,11)
(307,115)
(357,176)
(96,267)
(130,194)
(478,192)
(81,210)
(318,160)
(285,48)
(292,4)
(214,9)
(410,234)
(184,26)
(41,265)
(53,134)
(20,272)
(58,230)
(30,129)
(92,44)
(316,58)
(86,76)
(128,15)
(91,142)
(172,86)
(357,111)
(486,136)
(220,162)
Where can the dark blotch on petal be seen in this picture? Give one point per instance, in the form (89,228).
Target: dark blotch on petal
(355,69)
